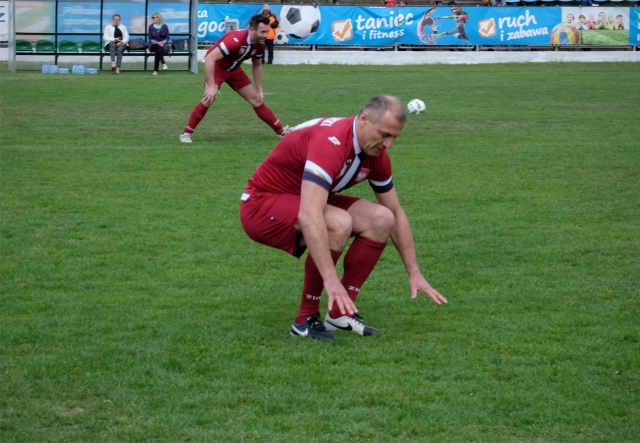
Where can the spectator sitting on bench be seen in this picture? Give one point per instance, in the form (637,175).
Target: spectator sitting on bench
(115,39)
(158,41)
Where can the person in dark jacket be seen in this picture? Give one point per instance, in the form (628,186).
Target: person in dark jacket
(273,25)
(158,41)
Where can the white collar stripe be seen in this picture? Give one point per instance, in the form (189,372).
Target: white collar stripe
(355,166)
(242,58)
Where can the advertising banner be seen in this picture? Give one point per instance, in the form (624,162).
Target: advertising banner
(432,26)
(212,18)
(346,26)
(634,26)
(593,26)
(511,26)
(4,21)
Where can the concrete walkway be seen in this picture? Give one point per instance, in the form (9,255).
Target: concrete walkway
(341,57)
(352,57)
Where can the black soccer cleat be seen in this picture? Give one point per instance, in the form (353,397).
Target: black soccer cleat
(312,327)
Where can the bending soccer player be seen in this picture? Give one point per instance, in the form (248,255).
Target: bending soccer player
(292,202)
(222,65)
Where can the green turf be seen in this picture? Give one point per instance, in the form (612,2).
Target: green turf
(134,308)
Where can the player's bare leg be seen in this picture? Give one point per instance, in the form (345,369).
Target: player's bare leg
(372,224)
(308,321)
(371,220)
(263,111)
(198,113)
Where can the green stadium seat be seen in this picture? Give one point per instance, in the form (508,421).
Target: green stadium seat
(24,46)
(45,46)
(91,46)
(68,46)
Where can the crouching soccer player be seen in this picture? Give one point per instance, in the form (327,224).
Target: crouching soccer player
(292,202)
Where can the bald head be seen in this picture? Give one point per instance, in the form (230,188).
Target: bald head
(382,104)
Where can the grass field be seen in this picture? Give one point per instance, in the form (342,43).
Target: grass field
(134,308)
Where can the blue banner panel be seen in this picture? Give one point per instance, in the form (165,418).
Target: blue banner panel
(362,26)
(634,26)
(4,21)
(514,26)
(477,26)
(212,17)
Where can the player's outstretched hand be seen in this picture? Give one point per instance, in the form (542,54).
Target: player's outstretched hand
(337,294)
(419,283)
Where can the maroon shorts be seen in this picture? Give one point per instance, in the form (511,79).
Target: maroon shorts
(237,78)
(272,219)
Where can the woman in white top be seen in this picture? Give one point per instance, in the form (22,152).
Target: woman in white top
(115,38)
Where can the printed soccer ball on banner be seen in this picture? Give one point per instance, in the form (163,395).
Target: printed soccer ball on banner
(281,38)
(416,106)
(565,34)
(300,21)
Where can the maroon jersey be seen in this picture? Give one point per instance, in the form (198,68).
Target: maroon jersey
(236,48)
(326,152)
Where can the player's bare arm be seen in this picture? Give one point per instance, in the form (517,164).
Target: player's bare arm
(402,238)
(210,89)
(311,216)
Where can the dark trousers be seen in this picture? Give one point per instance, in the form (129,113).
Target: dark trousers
(268,53)
(159,56)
